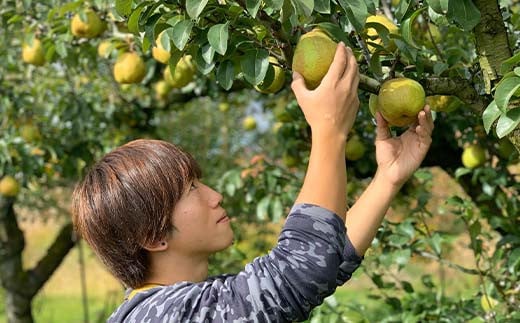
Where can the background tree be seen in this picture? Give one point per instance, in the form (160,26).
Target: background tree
(96,75)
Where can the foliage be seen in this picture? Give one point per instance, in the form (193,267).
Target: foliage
(59,117)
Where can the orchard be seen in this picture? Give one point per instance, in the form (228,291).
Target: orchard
(79,78)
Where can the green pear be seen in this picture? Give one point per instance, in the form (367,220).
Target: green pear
(400,100)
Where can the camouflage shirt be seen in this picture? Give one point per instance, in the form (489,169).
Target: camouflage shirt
(312,257)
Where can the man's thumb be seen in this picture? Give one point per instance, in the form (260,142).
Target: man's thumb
(298,83)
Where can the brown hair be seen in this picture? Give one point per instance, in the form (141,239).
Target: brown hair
(126,201)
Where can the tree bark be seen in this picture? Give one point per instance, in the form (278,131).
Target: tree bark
(22,285)
(493,48)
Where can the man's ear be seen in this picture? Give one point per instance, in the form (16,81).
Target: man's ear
(157,246)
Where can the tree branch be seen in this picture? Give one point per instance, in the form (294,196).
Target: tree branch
(47,265)
(12,243)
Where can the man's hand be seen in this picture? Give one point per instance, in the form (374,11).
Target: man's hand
(331,108)
(399,157)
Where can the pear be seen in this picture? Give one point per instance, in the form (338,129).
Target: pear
(313,55)
(373,34)
(274,80)
(129,68)
(104,47)
(158,52)
(372,104)
(184,73)
(354,149)
(473,156)
(443,103)
(162,88)
(92,27)
(223,107)
(249,123)
(33,54)
(400,100)
(9,186)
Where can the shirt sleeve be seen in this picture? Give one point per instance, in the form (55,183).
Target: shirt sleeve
(312,257)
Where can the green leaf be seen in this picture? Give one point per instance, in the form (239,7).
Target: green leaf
(124,7)
(322,6)
(335,32)
(218,37)
(195,7)
(175,56)
(133,20)
(262,208)
(226,74)
(435,242)
(407,28)
(464,13)
(254,65)
(402,9)
(509,63)
(304,7)
(514,260)
(203,66)
(180,33)
(508,122)
(252,7)
(505,91)
(165,41)
(356,11)
(275,5)
(439,6)
(489,115)
(407,287)
(208,53)
(461,171)
(276,209)
(517,71)
(475,229)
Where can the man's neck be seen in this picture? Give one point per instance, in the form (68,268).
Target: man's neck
(171,269)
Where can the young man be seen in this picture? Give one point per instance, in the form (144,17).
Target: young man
(144,211)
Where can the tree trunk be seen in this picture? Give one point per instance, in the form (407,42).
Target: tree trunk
(22,285)
(493,48)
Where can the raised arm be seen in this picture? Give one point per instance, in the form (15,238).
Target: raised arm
(330,111)
(397,159)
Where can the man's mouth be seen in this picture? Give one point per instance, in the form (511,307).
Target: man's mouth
(224,218)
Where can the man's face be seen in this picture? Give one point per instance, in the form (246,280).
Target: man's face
(202,226)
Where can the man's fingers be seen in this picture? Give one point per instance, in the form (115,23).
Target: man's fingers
(426,120)
(351,75)
(298,84)
(337,68)
(382,130)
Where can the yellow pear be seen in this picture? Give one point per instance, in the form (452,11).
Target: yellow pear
(184,73)
(129,68)
(400,100)
(30,132)
(223,107)
(313,55)
(473,156)
(274,80)
(443,103)
(249,123)
(162,88)
(372,104)
(92,27)
(354,149)
(33,54)
(488,303)
(158,52)
(373,34)
(9,186)
(104,48)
